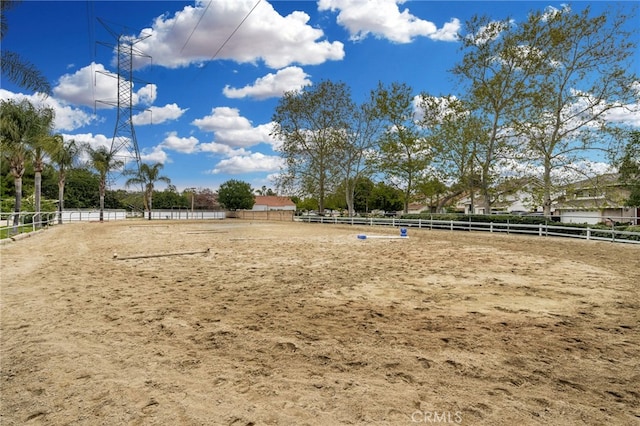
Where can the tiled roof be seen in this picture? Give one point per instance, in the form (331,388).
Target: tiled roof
(273,201)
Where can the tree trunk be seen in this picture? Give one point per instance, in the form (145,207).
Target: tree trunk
(60,200)
(102,193)
(546,198)
(150,205)
(350,195)
(407,195)
(16,218)
(37,218)
(484,190)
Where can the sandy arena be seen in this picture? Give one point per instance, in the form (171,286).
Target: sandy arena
(302,324)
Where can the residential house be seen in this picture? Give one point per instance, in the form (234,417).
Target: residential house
(273,202)
(514,203)
(512,196)
(597,200)
(417,208)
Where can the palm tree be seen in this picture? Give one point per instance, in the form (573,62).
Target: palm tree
(103,161)
(16,69)
(41,146)
(147,176)
(21,124)
(63,154)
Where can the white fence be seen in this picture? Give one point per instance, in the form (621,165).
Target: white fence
(12,223)
(16,223)
(91,215)
(541,230)
(185,214)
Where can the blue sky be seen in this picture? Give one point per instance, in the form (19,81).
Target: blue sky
(205,97)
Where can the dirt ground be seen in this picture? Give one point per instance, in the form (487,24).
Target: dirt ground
(306,324)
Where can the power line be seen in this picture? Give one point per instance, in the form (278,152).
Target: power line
(195,27)
(229,38)
(92,51)
(236,30)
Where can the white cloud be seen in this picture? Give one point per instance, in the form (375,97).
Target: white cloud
(256,162)
(67,118)
(157,115)
(198,33)
(627,114)
(272,85)
(383,19)
(88,85)
(155,155)
(96,87)
(572,172)
(94,141)
(221,149)
(175,143)
(231,129)
(146,95)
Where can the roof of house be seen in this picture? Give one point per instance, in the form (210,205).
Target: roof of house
(273,201)
(417,206)
(608,179)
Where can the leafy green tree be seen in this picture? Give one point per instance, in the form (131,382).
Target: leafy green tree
(265,191)
(41,146)
(494,75)
(80,189)
(432,191)
(456,133)
(236,195)
(21,124)
(103,161)
(312,124)
(362,194)
(359,140)
(171,198)
(49,183)
(306,204)
(582,70)
(147,176)
(629,168)
(15,68)
(386,197)
(361,190)
(119,199)
(404,151)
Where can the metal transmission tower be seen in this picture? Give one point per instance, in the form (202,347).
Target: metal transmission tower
(124,144)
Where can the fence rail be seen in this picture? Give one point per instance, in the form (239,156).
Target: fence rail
(541,230)
(13,224)
(20,223)
(28,222)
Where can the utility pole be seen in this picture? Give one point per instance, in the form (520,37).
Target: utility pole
(124,143)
